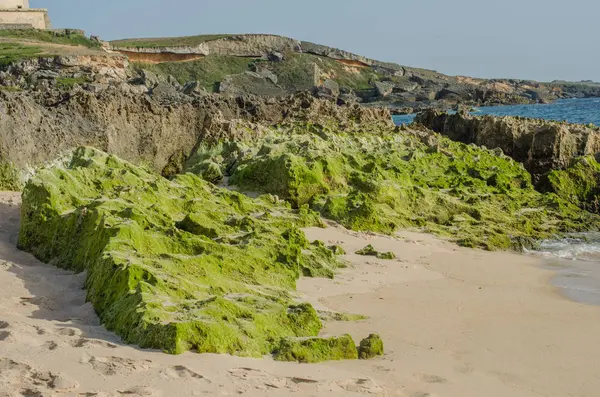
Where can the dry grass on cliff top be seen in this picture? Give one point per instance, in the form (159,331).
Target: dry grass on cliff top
(183,41)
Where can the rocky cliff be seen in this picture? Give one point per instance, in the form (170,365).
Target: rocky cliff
(540,145)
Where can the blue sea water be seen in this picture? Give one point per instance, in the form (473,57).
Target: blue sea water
(581,111)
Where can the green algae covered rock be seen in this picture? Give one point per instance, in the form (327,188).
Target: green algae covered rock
(370,347)
(314,350)
(380,179)
(369,250)
(175,265)
(9,177)
(578,184)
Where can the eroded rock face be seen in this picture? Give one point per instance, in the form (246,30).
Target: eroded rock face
(160,130)
(542,146)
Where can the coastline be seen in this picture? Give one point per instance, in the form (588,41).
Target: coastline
(455,322)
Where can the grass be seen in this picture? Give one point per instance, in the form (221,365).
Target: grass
(67,83)
(209,71)
(296,72)
(183,41)
(11,52)
(49,36)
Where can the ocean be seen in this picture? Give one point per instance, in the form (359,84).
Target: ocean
(576,260)
(581,111)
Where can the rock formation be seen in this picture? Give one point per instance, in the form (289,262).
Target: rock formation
(540,145)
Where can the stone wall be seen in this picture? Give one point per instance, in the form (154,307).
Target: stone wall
(21,4)
(35,18)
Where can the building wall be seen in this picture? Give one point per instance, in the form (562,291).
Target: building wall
(36,18)
(14,4)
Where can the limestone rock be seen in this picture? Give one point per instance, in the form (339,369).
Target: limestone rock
(328,90)
(194,87)
(540,145)
(384,88)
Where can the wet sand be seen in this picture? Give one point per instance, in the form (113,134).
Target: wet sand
(455,322)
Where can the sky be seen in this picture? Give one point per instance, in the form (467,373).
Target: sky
(529,39)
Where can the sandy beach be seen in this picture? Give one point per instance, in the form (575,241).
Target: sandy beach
(455,322)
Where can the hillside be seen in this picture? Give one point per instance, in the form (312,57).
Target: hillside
(273,65)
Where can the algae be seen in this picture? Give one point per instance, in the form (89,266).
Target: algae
(314,350)
(578,184)
(9,177)
(369,250)
(382,179)
(370,347)
(176,264)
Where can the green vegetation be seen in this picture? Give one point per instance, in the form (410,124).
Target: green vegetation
(383,179)
(185,41)
(578,184)
(315,350)
(49,36)
(370,251)
(209,71)
(177,265)
(296,72)
(67,83)
(9,177)
(370,347)
(11,52)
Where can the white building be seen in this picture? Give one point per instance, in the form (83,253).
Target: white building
(16,14)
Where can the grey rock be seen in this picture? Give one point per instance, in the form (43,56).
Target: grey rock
(384,88)
(194,88)
(173,81)
(163,89)
(267,74)
(45,75)
(347,97)
(147,78)
(276,56)
(250,83)
(67,60)
(328,90)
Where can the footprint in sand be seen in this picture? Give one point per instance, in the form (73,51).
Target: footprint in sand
(182,372)
(4,335)
(433,379)
(23,380)
(68,332)
(85,342)
(361,386)
(139,391)
(111,366)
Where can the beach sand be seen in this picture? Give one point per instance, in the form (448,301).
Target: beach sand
(455,322)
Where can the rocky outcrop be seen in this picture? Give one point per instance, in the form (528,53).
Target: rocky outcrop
(247,45)
(542,146)
(38,126)
(262,84)
(45,72)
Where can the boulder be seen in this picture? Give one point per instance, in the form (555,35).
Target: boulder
(384,88)
(194,88)
(250,83)
(328,90)
(276,56)
(347,96)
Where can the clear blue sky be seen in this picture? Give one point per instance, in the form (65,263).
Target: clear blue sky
(530,39)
